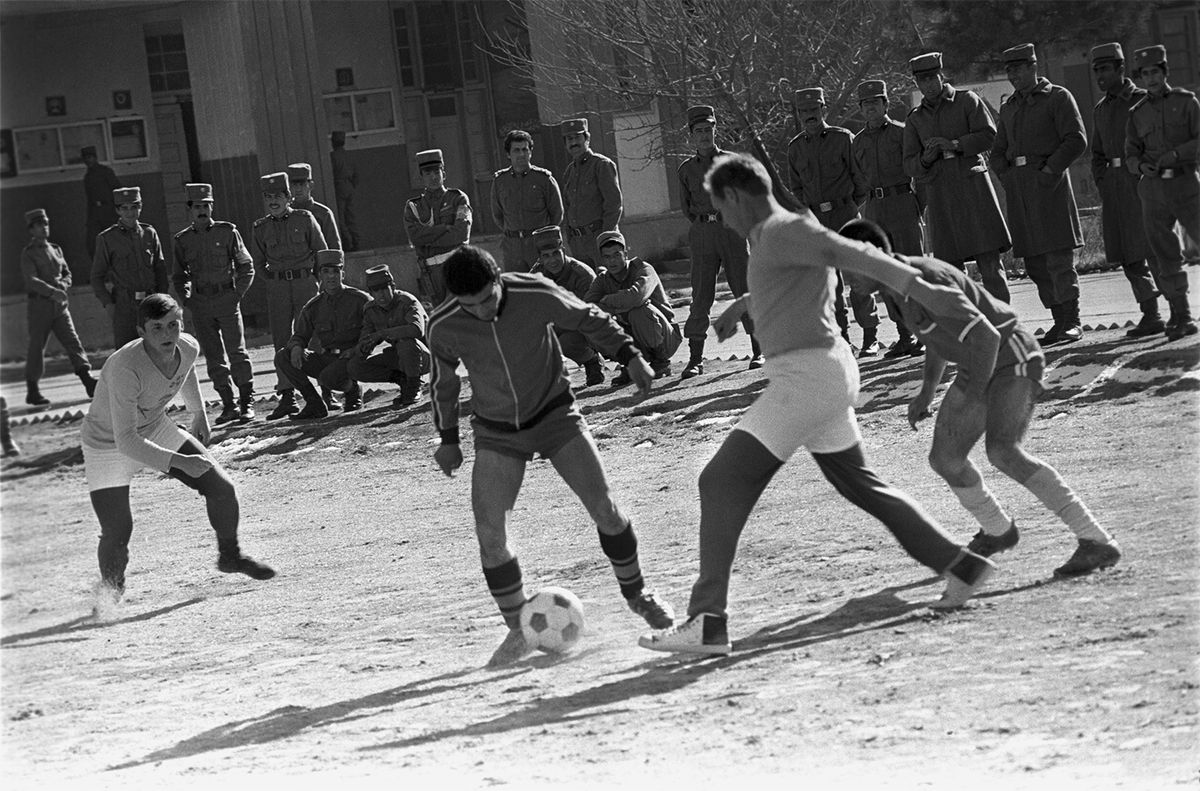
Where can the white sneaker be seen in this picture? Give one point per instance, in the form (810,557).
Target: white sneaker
(701,634)
(958,592)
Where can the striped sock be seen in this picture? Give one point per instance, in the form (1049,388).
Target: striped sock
(622,552)
(982,504)
(504,583)
(1066,505)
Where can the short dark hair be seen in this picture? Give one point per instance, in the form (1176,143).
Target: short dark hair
(469,270)
(155,306)
(737,172)
(870,232)
(516,136)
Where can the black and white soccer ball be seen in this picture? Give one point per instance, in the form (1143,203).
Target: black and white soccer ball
(552,620)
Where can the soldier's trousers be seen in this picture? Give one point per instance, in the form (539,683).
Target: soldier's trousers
(653,332)
(45,316)
(991,271)
(714,246)
(575,346)
(1164,203)
(1143,280)
(519,254)
(862,301)
(409,356)
(124,317)
(330,370)
(284,300)
(1054,275)
(583,247)
(345,204)
(219,329)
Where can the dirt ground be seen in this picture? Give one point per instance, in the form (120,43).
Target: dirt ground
(363,661)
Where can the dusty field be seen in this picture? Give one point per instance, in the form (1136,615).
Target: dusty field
(362,662)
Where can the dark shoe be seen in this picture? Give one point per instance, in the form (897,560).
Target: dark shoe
(89,382)
(656,612)
(1151,322)
(622,379)
(1072,328)
(987,545)
(694,367)
(410,390)
(354,397)
(1181,324)
(287,406)
(313,410)
(240,564)
(661,368)
(701,634)
(1054,334)
(918,349)
(331,401)
(870,349)
(11,448)
(246,406)
(595,372)
(228,414)
(1088,557)
(34,397)
(900,348)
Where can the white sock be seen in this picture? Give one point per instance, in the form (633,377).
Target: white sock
(1054,493)
(982,505)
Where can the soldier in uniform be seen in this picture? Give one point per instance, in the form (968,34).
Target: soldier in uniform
(47,281)
(825,177)
(300,181)
(345,182)
(1160,145)
(127,266)
(1124,232)
(945,139)
(213,272)
(99,181)
(395,318)
(590,191)
(283,245)
(574,276)
(335,318)
(524,198)
(891,200)
(437,221)
(713,245)
(632,292)
(1039,135)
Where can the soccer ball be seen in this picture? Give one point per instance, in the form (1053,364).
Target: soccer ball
(552,620)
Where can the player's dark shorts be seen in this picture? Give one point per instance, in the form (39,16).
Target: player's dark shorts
(545,438)
(1033,369)
(1020,356)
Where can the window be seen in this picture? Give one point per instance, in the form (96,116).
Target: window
(128,137)
(166,60)
(440,36)
(404,53)
(42,148)
(360,111)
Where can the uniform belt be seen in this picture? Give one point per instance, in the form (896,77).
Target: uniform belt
(289,274)
(827,206)
(1029,161)
(950,154)
(562,399)
(591,227)
(899,189)
(518,234)
(211,289)
(1175,172)
(713,216)
(440,258)
(1115,162)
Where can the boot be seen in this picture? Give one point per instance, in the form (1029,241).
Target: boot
(230,560)
(1054,334)
(89,381)
(246,403)
(1181,323)
(594,370)
(353,396)
(229,410)
(6,441)
(331,401)
(756,355)
(287,405)
(695,363)
(870,345)
(1151,322)
(33,396)
(1072,330)
(314,405)
(410,389)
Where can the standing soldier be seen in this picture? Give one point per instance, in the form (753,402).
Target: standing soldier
(1039,135)
(945,139)
(284,245)
(524,198)
(301,182)
(47,281)
(591,194)
(825,177)
(345,182)
(437,221)
(1160,144)
(891,201)
(130,256)
(574,276)
(98,184)
(713,245)
(213,272)
(1124,232)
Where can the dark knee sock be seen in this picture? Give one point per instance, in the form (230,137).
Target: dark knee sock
(116,526)
(622,552)
(504,583)
(220,500)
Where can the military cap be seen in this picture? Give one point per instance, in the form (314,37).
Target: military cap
(1022,53)
(127,195)
(198,192)
(337,136)
(807,98)
(430,158)
(575,126)
(1110,51)
(872,89)
(610,237)
(36,215)
(548,238)
(930,61)
(379,275)
(87,151)
(333,258)
(1150,56)
(275,182)
(299,171)
(700,114)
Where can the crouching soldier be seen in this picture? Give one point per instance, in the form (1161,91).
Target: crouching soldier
(577,277)
(396,318)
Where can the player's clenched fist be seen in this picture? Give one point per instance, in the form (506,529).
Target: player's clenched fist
(449,458)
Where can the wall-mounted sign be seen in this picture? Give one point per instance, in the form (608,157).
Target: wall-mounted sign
(345,78)
(122,100)
(56,105)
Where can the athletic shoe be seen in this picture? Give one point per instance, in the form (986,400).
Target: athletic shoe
(510,650)
(756,362)
(869,349)
(622,379)
(240,564)
(977,570)
(228,414)
(693,368)
(701,634)
(987,545)
(354,397)
(1088,557)
(661,368)
(656,612)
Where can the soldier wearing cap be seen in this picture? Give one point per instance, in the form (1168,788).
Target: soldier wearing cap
(945,139)
(99,181)
(335,318)
(524,198)
(128,265)
(301,182)
(395,318)
(1160,145)
(891,200)
(1039,134)
(48,281)
(213,272)
(1124,232)
(824,175)
(437,221)
(591,193)
(713,245)
(345,182)
(630,290)
(577,277)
